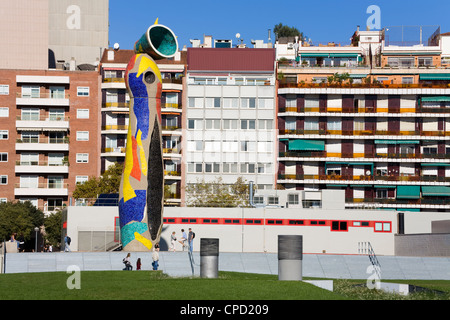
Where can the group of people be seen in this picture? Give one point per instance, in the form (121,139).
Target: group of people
(186,240)
(155,258)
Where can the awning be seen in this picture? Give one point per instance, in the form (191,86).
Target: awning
(436,191)
(408,192)
(436,98)
(358,76)
(435,76)
(306,145)
(430,164)
(385,186)
(397,142)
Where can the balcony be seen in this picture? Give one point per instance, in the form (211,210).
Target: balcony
(381,156)
(41,189)
(51,123)
(43,99)
(115,129)
(364,179)
(113,152)
(374,133)
(394,201)
(41,167)
(43,144)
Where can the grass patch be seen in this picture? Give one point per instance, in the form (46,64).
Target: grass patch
(150,285)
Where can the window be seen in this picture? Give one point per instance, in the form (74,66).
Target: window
(248,124)
(53,204)
(4,134)
(29,159)
(196,102)
(212,124)
(55,159)
(339,226)
(29,181)
(293,198)
(30,114)
(82,135)
(265,124)
(311,124)
(425,61)
(272,200)
(82,157)
(248,146)
(55,182)
(3,157)
(258,200)
(82,113)
(312,203)
(383,226)
(81,179)
(4,112)
(264,103)
(4,89)
(381,194)
(30,92)
(334,124)
(229,103)
(3,180)
(30,137)
(407,80)
(83,91)
(248,103)
(230,124)
(57,92)
(56,114)
(212,102)
(196,124)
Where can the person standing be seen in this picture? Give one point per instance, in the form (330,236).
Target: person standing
(138,264)
(173,240)
(183,239)
(191,237)
(155,257)
(67,241)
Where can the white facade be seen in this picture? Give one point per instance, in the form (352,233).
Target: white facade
(230,128)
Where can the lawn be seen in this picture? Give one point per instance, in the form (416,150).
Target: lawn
(151,285)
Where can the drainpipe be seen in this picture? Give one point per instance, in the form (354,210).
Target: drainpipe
(250,194)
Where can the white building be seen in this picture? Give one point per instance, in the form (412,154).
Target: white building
(230,116)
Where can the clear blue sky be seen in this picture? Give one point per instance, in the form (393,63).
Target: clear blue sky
(322,21)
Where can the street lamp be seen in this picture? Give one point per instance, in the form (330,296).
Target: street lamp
(36,229)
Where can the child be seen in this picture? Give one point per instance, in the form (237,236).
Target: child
(155,257)
(138,264)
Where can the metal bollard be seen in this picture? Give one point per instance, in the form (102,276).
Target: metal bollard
(209,258)
(290,256)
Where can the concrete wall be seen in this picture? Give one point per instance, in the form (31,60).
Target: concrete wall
(253,238)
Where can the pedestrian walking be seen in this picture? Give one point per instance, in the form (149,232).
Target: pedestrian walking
(191,237)
(173,240)
(67,241)
(155,257)
(127,262)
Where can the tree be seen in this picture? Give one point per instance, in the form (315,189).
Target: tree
(284,31)
(19,218)
(53,228)
(108,182)
(217,193)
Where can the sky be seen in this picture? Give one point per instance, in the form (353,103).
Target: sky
(321,21)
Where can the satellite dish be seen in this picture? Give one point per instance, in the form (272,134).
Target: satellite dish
(368,172)
(116,46)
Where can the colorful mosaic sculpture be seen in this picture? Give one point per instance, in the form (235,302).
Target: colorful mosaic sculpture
(141,193)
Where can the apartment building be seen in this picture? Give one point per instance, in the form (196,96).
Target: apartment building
(230,116)
(115,111)
(381,132)
(49,123)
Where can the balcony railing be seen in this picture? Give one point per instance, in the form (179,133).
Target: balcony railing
(365,110)
(64,140)
(116,149)
(49,185)
(325,154)
(283,84)
(45,95)
(423,201)
(362,178)
(437,133)
(42,118)
(116,105)
(42,163)
(115,127)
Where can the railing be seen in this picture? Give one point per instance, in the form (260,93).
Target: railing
(64,140)
(116,149)
(42,186)
(64,163)
(365,110)
(325,154)
(116,105)
(362,85)
(114,80)
(366,248)
(171,128)
(115,127)
(45,95)
(421,201)
(362,178)
(171,106)
(437,133)
(42,118)
(172,173)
